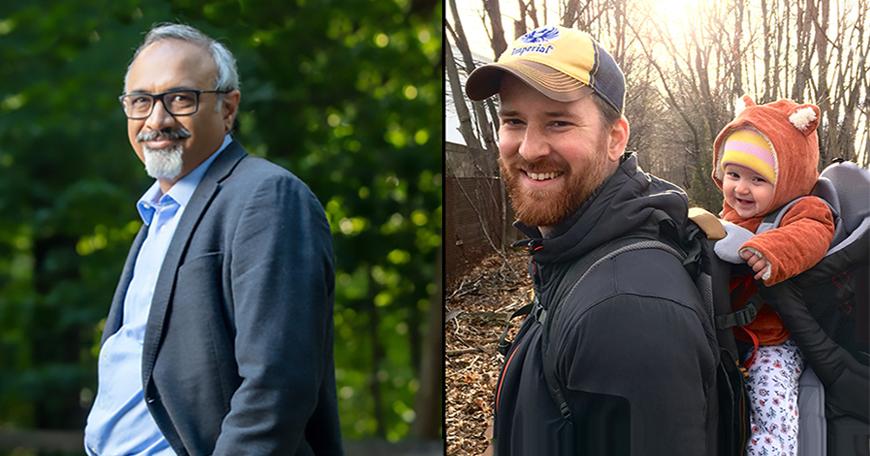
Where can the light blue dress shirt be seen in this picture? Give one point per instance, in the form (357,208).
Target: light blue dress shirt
(119,422)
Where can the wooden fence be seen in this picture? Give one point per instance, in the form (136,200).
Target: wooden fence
(477,215)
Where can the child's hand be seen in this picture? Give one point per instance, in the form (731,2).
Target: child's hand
(757,262)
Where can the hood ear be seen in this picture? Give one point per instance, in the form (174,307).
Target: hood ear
(805,118)
(741,104)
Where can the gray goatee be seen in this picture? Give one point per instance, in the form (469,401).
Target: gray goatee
(165,163)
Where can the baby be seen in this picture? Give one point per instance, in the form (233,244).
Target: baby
(765,162)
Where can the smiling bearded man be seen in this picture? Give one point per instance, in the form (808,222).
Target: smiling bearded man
(616,356)
(545,188)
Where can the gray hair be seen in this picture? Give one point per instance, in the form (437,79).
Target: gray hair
(227,74)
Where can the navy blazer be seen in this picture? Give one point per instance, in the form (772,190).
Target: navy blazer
(237,357)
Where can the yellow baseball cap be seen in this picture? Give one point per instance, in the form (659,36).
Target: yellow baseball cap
(558,62)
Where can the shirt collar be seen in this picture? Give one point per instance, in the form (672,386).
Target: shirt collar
(181,191)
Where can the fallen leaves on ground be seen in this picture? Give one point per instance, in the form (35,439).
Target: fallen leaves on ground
(476,310)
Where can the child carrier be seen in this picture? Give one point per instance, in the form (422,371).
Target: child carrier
(831,333)
(826,311)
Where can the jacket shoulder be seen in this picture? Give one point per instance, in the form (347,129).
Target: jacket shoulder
(811,207)
(651,278)
(255,173)
(645,273)
(654,273)
(251,167)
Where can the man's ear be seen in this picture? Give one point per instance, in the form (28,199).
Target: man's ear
(617,138)
(230,108)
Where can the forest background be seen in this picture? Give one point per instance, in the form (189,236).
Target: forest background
(347,95)
(686,62)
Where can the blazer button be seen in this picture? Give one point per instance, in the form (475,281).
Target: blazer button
(150,399)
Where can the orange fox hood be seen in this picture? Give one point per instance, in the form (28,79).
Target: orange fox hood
(791,130)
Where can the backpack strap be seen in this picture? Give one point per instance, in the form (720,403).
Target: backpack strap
(565,289)
(742,317)
(774,218)
(711,226)
(538,311)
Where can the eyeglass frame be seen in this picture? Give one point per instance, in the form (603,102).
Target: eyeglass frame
(159,96)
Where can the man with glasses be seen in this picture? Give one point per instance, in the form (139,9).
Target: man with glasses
(219,336)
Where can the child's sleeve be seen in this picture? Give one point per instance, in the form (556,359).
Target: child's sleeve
(728,248)
(801,240)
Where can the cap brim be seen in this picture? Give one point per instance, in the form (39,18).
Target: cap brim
(485,81)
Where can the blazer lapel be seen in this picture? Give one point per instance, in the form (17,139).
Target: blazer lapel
(116,310)
(206,190)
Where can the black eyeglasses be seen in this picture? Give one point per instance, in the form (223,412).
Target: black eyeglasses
(177,102)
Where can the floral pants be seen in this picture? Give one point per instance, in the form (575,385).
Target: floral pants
(773,399)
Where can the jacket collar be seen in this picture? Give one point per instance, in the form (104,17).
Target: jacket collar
(219,170)
(621,206)
(205,192)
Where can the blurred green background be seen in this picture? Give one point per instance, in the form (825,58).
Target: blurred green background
(347,95)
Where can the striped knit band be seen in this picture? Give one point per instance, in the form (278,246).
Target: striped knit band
(752,150)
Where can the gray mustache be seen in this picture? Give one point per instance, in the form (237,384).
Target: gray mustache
(181,133)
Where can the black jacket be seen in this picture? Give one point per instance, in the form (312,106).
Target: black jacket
(634,348)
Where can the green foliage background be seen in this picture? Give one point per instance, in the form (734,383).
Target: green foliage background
(346,94)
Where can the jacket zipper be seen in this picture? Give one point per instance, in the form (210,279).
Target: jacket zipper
(501,381)
(536,282)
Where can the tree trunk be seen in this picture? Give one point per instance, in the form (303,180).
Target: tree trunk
(493,10)
(64,410)
(427,424)
(738,68)
(374,381)
(484,126)
(465,127)
(570,14)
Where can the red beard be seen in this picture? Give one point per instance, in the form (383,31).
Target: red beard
(547,207)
